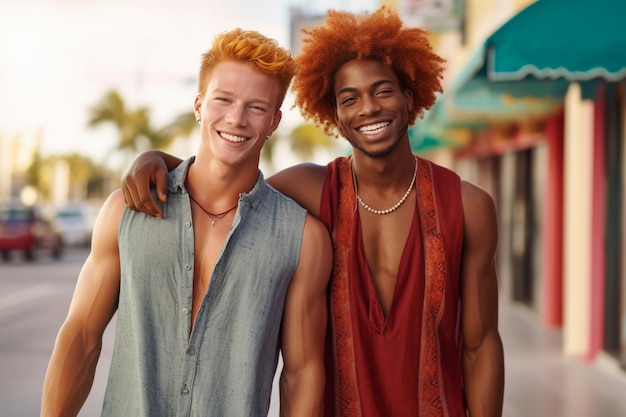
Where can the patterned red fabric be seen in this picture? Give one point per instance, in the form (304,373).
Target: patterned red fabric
(394,365)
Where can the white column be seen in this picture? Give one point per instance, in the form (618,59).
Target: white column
(577,222)
(60,183)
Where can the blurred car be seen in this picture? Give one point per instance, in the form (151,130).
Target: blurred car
(75,223)
(23,228)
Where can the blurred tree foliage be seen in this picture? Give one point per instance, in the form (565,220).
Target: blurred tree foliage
(135,130)
(85,179)
(306,138)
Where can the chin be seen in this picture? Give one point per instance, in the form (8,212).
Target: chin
(378,152)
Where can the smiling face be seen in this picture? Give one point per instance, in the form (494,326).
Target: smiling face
(372,107)
(237,110)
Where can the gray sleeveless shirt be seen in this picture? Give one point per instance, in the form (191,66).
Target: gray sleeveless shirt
(226,365)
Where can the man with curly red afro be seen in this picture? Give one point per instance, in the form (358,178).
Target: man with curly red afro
(347,37)
(413,295)
(414,299)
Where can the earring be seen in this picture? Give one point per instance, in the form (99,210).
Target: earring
(267,137)
(198,121)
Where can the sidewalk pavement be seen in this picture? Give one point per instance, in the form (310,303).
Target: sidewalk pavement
(541,382)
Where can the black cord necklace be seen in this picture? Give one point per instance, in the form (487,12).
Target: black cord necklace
(214,217)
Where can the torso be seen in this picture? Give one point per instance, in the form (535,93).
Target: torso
(233,346)
(384,240)
(379,317)
(208,241)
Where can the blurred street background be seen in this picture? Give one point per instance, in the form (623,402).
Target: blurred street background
(533,110)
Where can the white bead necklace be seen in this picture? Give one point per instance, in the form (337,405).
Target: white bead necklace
(389,210)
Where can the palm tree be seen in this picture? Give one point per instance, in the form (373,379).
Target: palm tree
(183,126)
(136,132)
(131,124)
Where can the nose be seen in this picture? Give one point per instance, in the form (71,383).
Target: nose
(369,105)
(236,115)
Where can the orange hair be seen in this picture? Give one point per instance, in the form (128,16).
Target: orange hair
(249,47)
(378,35)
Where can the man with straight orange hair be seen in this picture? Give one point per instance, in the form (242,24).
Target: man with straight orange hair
(207,296)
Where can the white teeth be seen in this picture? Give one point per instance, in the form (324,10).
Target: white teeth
(233,138)
(375,128)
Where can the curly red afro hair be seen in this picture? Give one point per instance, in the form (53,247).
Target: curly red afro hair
(378,35)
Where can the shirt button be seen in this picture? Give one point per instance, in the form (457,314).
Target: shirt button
(188,224)
(185,391)
(185,310)
(187,267)
(191,352)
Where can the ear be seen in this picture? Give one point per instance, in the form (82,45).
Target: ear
(275,122)
(197,104)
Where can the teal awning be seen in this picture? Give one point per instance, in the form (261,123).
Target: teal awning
(577,40)
(525,67)
(437,129)
(547,45)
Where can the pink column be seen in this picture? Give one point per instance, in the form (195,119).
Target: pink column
(552,273)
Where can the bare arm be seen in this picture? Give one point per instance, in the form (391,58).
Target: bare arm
(304,326)
(483,357)
(77,348)
(149,168)
(303,183)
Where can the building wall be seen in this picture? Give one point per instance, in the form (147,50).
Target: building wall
(552,252)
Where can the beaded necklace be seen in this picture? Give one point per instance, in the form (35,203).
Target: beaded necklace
(389,210)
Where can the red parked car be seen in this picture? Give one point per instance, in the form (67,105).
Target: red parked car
(22,228)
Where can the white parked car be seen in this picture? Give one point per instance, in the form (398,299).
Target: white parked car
(75,223)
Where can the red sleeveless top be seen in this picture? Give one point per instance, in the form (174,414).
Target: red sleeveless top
(408,363)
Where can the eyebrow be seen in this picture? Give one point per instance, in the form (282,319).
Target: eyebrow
(232,93)
(375,85)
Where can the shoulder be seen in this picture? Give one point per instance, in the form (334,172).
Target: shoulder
(316,253)
(113,206)
(107,223)
(476,198)
(315,230)
(111,211)
(302,183)
(479,212)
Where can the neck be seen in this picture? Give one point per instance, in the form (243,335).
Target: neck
(383,172)
(217,190)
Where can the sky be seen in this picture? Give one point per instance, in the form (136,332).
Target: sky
(59,57)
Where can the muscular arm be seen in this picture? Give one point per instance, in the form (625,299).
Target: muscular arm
(303,183)
(77,348)
(483,357)
(304,326)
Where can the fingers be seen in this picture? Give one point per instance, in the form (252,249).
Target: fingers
(138,200)
(136,188)
(147,204)
(161,180)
